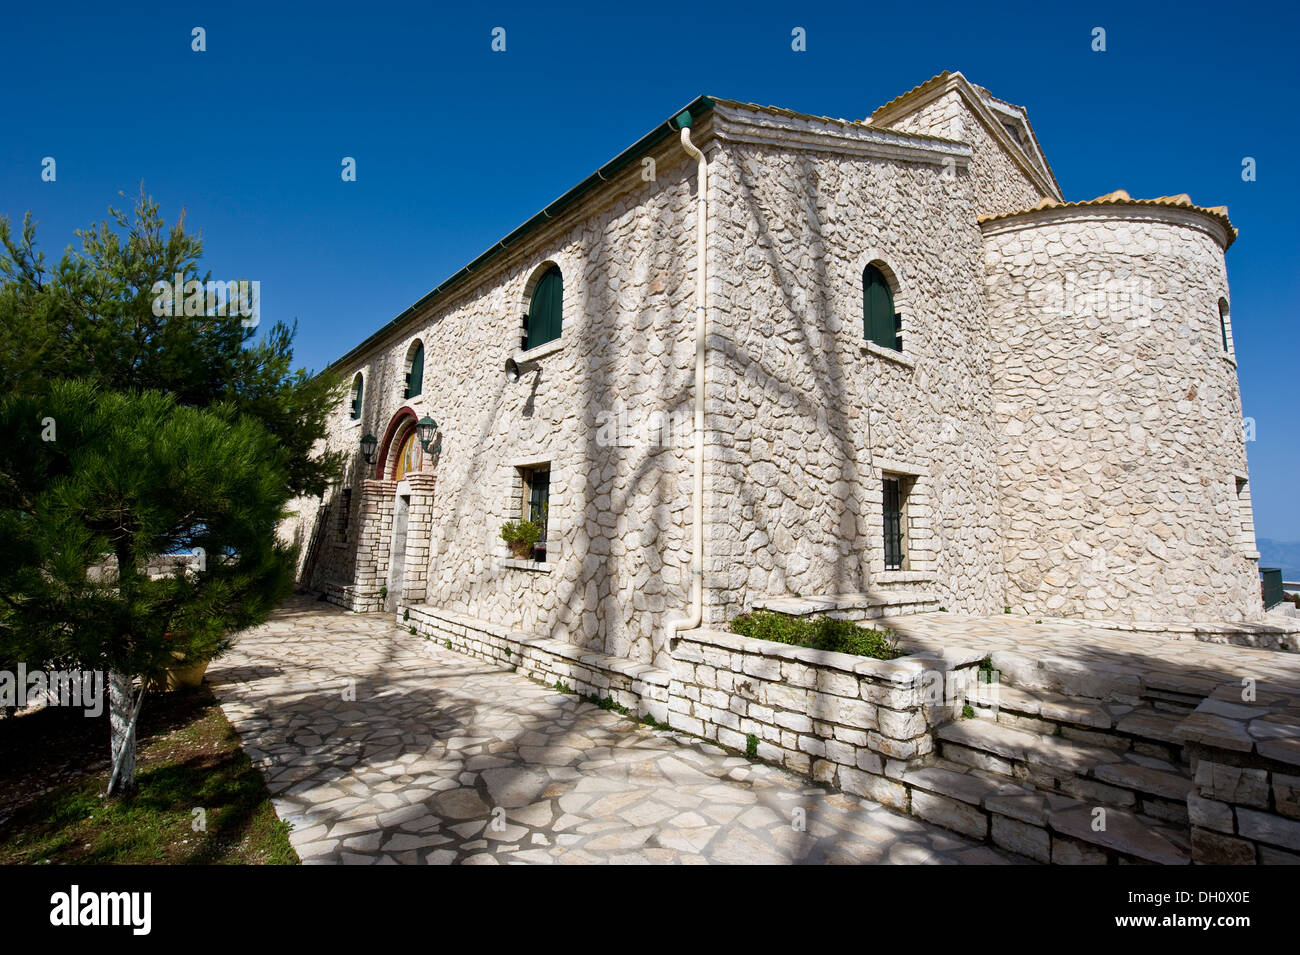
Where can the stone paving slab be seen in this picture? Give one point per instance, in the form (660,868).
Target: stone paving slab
(1104,658)
(381,747)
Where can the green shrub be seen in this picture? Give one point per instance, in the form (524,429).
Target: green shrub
(751,746)
(520,536)
(820,633)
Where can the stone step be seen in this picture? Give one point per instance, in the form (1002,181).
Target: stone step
(1120,777)
(1046,827)
(1148,727)
(1048,706)
(1102,682)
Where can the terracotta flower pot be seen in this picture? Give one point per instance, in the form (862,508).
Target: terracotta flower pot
(521,550)
(180,676)
(186,677)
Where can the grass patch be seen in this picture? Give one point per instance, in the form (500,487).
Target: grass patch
(188,758)
(607,703)
(820,633)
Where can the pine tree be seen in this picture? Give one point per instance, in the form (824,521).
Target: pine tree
(171,432)
(128,477)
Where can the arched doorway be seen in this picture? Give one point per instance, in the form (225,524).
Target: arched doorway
(404,476)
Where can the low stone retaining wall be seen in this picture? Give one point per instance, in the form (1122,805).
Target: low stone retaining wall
(642,688)
(849,721)
(356,599)
(1246,758)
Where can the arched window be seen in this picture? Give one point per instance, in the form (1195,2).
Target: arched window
(880,323)
(414,371)
(358,394)
(1223,322)
(545,309)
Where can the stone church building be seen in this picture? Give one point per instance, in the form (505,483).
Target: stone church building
(928,382)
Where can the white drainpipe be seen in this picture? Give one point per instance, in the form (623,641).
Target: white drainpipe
(696,613)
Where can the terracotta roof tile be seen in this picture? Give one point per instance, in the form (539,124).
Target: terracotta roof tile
(913,91)
(1121,198)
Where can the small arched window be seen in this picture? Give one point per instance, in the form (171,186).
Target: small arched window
(414,371)
(545,309)
(1223,323)
(880,323)
(358,395)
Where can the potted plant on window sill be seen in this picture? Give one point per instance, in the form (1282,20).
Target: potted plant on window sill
(520,537)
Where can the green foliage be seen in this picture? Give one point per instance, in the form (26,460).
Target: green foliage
(967,712)
(820,633)
(91,317)
(562,687)
(521,535)
(447,644)
(608,703)
(751,746)
(130,477)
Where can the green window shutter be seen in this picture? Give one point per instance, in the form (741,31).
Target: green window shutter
(878,318)
(357,398)
(545,311)
(415,378)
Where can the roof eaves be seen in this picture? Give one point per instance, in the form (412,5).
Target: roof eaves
(698,107)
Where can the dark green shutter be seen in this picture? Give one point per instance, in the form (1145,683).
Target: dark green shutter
(357,398)
(545,311)
(879,323)
(415,378)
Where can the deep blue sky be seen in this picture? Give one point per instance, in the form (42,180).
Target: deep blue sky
(456,145)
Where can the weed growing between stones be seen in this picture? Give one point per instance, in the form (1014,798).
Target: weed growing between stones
(607,703)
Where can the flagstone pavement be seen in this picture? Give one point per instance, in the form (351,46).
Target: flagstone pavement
(382,747)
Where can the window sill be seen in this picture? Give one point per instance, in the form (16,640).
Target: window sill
(880,351)
(539,351)
(902,577)
(351,422)
(338,543)
(537,566)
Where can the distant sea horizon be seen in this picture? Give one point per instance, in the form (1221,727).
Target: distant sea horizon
(1283,554)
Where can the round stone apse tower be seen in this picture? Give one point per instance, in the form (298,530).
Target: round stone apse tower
(1124,491)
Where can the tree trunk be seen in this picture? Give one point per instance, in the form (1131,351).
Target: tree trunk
(121,729)
(121,714)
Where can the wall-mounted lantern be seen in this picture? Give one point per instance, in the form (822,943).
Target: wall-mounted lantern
(425,429)
(368,445)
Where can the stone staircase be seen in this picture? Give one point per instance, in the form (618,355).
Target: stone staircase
(858,607)
(1065,778)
